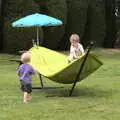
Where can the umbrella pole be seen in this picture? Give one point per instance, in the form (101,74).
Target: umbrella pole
(81,68)
(38,36)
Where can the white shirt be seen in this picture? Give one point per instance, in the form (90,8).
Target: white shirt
(75,52)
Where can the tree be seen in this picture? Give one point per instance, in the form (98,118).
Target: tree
(58,9)
(2,3)
(16,39)
(110,24)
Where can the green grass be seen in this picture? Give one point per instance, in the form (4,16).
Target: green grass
(95,98)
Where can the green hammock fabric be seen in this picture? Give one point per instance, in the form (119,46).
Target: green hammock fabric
(54,65)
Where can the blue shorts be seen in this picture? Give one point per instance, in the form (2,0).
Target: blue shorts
(26,87)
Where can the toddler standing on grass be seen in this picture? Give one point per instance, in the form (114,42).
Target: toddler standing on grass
(25,72)
(76,49)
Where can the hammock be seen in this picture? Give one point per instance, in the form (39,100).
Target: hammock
(55,66)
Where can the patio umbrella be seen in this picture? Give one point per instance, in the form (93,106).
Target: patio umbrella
(37,20)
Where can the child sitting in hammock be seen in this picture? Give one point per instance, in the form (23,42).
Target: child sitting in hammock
(76,49)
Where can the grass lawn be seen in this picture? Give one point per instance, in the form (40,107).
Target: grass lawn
(95,98)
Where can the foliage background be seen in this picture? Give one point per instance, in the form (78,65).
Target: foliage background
(84,17)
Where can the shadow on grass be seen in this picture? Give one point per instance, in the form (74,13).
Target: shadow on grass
(82,91)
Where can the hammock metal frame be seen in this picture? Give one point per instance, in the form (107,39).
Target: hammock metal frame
(81,68)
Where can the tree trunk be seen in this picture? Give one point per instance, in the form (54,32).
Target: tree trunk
(110,24)
(1,23)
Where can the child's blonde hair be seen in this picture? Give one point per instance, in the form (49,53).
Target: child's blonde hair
(74,37)
(25,57)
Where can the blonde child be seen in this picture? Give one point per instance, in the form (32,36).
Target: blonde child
(25,72)
(76,49)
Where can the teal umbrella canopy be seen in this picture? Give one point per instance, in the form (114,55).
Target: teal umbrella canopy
(37,20)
